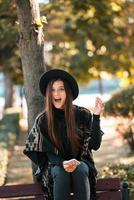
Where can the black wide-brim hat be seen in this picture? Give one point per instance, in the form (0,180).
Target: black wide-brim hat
(58,74)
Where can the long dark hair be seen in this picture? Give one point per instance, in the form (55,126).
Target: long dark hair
(69,118)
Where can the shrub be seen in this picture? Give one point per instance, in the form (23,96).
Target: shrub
(122,104)
(125,172)
(9,130)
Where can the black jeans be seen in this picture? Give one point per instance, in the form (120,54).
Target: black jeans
(64,182)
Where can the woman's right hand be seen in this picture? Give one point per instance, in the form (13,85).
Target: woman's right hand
(99,106)
(70,165)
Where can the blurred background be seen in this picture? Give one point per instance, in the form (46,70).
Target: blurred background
(93,40)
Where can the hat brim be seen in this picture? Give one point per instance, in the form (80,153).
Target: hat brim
(58,74)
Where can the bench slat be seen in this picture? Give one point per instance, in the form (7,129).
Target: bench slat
(27,198)
(20,190)
(107,189)
(108,184)
(116,195)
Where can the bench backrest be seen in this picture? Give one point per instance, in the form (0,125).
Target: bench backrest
(107,189)
(24,190)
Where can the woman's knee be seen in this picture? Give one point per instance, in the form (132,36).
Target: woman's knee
(82,169)
(57,171)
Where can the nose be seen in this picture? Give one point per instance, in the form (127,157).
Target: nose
(56,92)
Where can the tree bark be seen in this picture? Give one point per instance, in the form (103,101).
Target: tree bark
(100,85)
(31,45)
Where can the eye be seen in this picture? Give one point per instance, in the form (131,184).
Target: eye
(62,89)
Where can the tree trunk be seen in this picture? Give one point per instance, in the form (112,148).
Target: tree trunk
(31,45)
(8,91)
(100,85)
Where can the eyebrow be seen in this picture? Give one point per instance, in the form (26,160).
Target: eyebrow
(61,86)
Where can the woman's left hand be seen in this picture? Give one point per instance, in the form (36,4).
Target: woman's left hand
(99,106)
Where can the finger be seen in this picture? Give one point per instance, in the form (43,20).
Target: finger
(96,103)
(71,167)
(100,103)
(70,164)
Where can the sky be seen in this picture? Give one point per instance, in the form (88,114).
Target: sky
(43,1)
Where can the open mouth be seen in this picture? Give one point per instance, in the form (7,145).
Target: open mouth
(58,100)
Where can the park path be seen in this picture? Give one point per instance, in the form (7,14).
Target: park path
(112,150)
(19,167)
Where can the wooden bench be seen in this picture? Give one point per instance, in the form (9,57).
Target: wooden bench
(107,189)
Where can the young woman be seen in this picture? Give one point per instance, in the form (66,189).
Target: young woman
(62,139)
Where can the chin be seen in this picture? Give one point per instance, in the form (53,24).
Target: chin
(59,107)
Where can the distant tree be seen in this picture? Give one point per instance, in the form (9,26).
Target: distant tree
(126,54)
(91,36)
(9,60)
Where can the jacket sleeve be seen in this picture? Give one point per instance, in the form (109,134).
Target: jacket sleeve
(92,123)
(32,150)
(36,145)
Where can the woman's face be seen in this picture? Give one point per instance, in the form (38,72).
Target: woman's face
(58,94)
